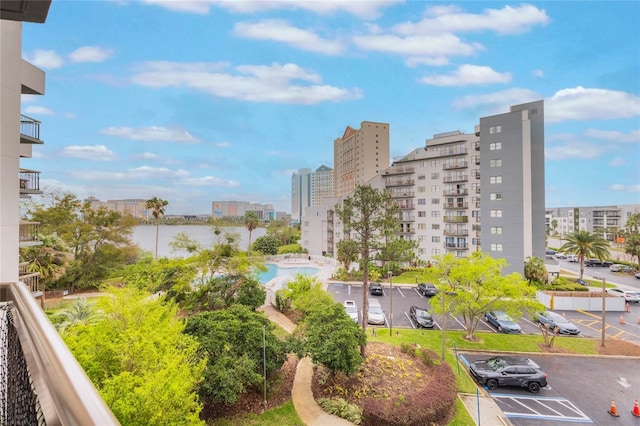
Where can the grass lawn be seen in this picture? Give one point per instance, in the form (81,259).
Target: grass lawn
(280,416)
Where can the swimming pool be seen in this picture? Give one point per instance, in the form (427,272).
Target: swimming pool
(276,271)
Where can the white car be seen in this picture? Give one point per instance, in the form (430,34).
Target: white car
(352,309)
(629,296)
(616,267)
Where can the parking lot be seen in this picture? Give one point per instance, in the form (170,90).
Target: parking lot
(397,299)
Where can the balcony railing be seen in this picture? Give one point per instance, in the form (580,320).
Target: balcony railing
(399,182)
(456,219)
(456,178)
(29,233)
(399,170)
(455,165)
(453,206)
(456,232)
(30,127)
(456,191)
(456,246)
(29,182)
(41,383)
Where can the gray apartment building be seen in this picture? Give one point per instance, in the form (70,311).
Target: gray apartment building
(463,192)
(603,220)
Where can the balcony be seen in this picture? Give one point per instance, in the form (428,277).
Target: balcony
(460,191)
(402,194)
(29,234)
(476,174)
(456,232)
(406,206)
(399,182)
(29,130)
(456,178)
(455,165)
(29,182)
(41,380)
(456,246)
(399,170)
(456,219)
(454,151)
(455,206)
(476,146)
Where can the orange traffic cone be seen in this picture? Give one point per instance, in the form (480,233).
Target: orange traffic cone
(636,409)
(613,410)
(621,319)
(638,319)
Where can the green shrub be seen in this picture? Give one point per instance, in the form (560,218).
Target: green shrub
(342,408)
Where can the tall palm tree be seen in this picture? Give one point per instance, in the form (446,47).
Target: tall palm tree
(585,244)
(251,221)
(157,205)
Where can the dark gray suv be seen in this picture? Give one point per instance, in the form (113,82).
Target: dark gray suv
(508,371)
(375,289)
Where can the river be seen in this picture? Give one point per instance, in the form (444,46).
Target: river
(145,237)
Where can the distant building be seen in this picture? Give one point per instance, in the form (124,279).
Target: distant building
(309,188)
(604,220)
(359,155)
(131,207)
(236,209)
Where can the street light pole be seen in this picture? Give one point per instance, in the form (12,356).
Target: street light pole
(390,275)
(604,296)
(264,364)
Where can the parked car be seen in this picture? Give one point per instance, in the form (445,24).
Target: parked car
(375,315)
(508,371)
(555,320)
(421,317)
(629,296)
(352,309)
(582,282)
(375,289)
(561,255)
(427,290)
(637,275)
(572,258)
(502,322)
(593,262)
(616,267)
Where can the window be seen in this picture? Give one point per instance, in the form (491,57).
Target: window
(306,223)
(495,163)
(495,179)
(435,252)
(435,213)
(496,213)
(435,163)
(421,177)
(496,247)
(495,129)
(435,226)
(422,214)
(495,146)
(422,226)
(495,196)
(435,201)
(435,239)
(496,230)
(422,189)
(435,188)
(435,175)
(422,202)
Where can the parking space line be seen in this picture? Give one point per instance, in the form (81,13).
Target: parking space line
(400,291)
(549,404)
(409,318)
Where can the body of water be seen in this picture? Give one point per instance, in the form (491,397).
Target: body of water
(277,271)
(145,237)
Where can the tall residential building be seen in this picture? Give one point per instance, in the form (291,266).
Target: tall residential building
(309,189)
(359,155)
(464,192)
(604,220)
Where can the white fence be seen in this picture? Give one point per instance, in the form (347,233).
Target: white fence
(581,300)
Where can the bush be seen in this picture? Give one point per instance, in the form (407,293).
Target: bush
(563,284)
(342,408)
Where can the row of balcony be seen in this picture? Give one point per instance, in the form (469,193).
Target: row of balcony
(455,165)
(455,206)
(399,182)
(456,246)
(399,170)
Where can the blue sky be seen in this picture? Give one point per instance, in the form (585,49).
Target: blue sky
(196,101)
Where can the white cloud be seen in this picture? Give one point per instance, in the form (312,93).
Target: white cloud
(283,32)
(466,75)
(362,9)
(633,136)
(581,103)
(37,110)
(573,150)
(223,144)
(625,188)
(617,161)
(496,101)
(146,156)
(274,83)
(538,73)
(90,54)
(89,152)
(137,174)
(47,59)
(152,133)
(69,115)
(157,172)
(444,19)
(211,181)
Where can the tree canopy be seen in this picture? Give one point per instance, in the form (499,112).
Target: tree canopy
(585,245)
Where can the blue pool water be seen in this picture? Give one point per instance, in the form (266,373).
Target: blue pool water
(276,271)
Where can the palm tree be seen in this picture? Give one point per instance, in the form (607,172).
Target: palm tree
(79,312)
(534,270)
(157,205)
(585,244)
(251,221)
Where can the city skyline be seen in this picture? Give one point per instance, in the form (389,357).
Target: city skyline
(196,101)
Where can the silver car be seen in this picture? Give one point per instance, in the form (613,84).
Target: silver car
(375,314)
(352,309)
(629,296)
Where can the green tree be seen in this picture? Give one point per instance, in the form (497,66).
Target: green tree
(535,271)
(251,222)
(143,365)
(50,259)
(368,217)
(182,241)
(267,245)
(632,237)
(281,230)
(474,285)
(396,252)
(234,341)
(157,205)
(585,245)
(333,339)
(80,312)
(348,251)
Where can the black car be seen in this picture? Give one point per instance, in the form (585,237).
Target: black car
(582,282)
(427,290)
(555,320)
(375,289)
(421,317)
(508,371)
(598,262)
(502,322)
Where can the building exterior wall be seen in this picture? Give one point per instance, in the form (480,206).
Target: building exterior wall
(607,220)
(359,155)
(237,209)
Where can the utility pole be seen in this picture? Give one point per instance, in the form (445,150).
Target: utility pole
(390,275)
(604,296)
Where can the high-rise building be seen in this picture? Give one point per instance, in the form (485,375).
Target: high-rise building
(359,155)
(309,189)
(464,192)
